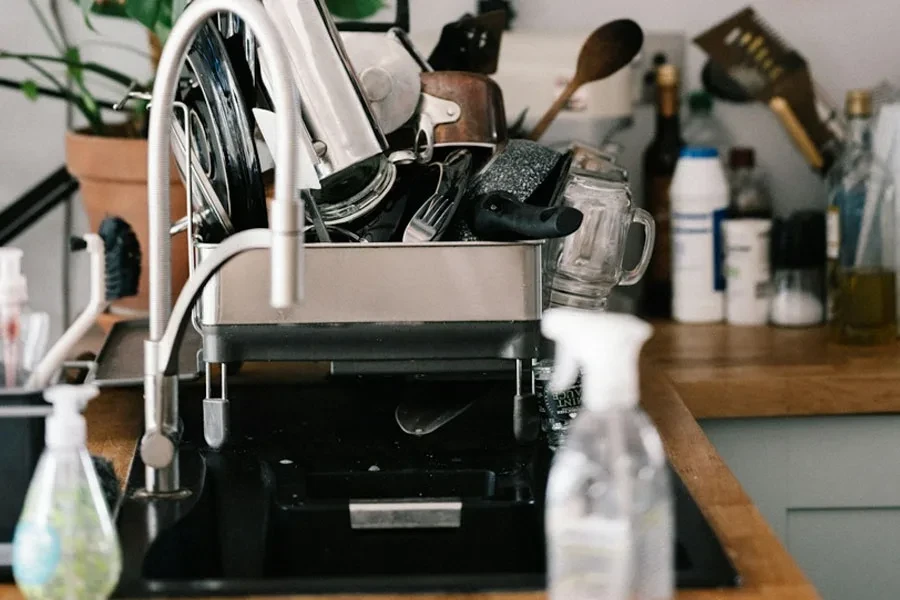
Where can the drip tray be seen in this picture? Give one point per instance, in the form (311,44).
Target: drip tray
(294,509)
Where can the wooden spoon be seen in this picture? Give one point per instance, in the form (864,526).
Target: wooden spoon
(604,52)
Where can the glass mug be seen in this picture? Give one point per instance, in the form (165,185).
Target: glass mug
(581,269)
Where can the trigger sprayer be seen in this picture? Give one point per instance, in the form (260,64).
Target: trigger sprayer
(603,347)
(608,511)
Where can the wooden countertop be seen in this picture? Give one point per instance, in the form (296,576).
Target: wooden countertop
(725,372)
(687,373)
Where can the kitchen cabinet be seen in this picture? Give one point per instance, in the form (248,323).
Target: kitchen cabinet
(830,489)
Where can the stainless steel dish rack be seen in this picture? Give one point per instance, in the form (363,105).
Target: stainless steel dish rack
(379,301)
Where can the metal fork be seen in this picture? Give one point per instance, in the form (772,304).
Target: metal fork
(431,220)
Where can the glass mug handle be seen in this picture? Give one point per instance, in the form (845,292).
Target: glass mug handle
(634,275)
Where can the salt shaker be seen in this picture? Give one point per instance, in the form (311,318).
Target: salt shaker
(798,254)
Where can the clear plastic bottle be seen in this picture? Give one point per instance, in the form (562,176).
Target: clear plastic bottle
(65,546)
(702,129)
(23,333)
(609,520)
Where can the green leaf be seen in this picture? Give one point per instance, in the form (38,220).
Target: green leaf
(86,7)
(73,58)
(145,12)
(30,88)
(354,9)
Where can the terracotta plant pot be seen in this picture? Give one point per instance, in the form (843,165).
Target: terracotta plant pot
(112,173)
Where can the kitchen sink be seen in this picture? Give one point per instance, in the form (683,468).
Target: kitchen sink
(307,497)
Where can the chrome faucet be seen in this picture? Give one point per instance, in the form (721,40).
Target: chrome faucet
(284,236)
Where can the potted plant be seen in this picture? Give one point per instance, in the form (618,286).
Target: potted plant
(109,155)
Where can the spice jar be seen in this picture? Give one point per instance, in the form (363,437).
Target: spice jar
(798,256)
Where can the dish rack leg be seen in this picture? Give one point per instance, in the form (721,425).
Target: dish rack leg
(526,420)
(216,413)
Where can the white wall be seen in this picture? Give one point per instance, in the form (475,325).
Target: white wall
(847,44)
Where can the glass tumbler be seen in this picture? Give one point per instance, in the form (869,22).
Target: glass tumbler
(581,269)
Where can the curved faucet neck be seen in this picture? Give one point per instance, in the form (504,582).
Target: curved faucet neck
(286,213)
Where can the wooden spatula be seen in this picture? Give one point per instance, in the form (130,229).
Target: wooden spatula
(605,51)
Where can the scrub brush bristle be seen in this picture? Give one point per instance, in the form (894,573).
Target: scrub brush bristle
(123,258)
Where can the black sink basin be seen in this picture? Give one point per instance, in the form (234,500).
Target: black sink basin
(288,507)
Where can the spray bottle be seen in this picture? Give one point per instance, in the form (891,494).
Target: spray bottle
(609,507)
(23,333)
(65,546)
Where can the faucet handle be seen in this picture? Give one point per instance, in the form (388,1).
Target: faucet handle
(157,449)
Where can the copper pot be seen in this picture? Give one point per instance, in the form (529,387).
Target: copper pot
(480,117)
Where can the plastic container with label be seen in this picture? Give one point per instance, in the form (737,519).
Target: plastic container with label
(699,199)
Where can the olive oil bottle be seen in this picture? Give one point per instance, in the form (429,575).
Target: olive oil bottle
(861,237)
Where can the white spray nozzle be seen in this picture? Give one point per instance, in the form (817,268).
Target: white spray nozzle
(13,285)
(604,347)
(66,426)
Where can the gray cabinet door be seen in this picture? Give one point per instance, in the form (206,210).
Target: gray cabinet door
(830,489)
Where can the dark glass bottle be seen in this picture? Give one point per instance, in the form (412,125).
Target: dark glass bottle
(659,167)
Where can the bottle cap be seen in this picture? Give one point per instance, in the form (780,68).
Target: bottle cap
(604,347)
(13,285)
(66,427)
(742,157)
(666,74)
(859,103)
(698,152)
(700,102)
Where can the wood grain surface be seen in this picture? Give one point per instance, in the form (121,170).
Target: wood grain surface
(687,373)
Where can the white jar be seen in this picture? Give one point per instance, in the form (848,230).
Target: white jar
(747,271)
(699,199)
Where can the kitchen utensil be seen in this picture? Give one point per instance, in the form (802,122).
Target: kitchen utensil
(768,69)
(581,269)
(349,144)
(404,40)
(480,118)
(718,82)
(430,221)
(312,209)
(421,417)
(520,167)
(499,216)
(221,131)
(389,76)
(472,43)
(608,49)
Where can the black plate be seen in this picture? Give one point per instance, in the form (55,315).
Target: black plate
(223,129)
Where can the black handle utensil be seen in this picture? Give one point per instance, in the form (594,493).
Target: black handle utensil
(499,216)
